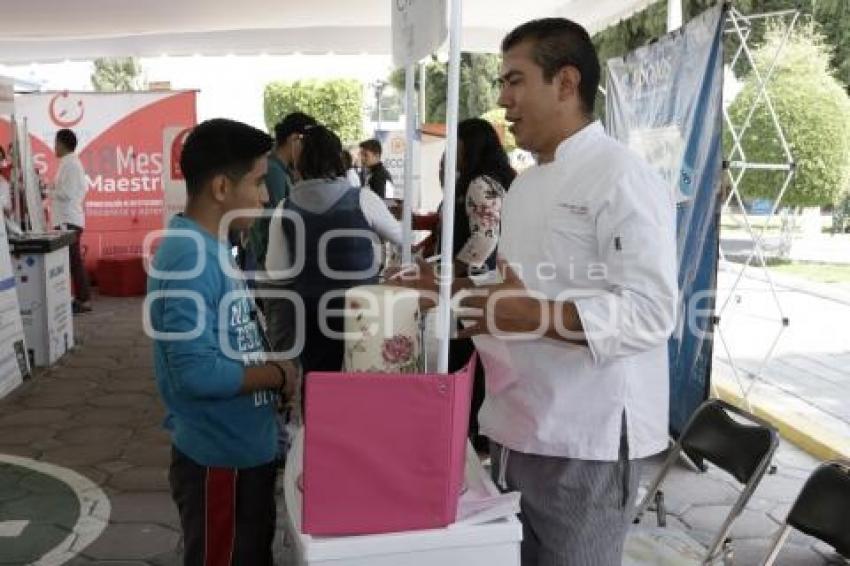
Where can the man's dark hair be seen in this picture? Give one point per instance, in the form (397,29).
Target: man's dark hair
(67,138)
(557,43)
(321,155)
(292,123)
(221,146)
(372,145)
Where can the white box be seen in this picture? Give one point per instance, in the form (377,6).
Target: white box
(496,543)
(44,295)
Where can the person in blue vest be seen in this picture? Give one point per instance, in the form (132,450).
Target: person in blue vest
(325,201)
(220,393)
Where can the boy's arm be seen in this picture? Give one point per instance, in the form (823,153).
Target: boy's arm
(281,376)
(197,363)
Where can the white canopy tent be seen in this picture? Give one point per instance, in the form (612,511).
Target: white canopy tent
(50,30)
(47,30)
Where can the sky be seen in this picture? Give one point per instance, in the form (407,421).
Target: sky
(230,86)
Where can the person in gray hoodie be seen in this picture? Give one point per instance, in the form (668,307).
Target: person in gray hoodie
(332,262)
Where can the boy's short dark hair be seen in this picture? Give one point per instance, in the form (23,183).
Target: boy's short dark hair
(221,146)
(557,43)
(67,138)
(292,123)
(372,145)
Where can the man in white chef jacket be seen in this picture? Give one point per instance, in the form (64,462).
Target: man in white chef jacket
(574,340)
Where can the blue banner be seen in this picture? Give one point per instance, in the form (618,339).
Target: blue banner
(665,102)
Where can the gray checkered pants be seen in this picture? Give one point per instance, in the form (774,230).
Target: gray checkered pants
(573,512)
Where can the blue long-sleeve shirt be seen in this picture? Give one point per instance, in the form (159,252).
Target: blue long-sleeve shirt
(206,337)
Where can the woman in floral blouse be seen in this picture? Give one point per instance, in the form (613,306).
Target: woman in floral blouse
(484,174)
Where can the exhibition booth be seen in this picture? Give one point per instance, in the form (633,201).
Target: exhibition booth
(373,482)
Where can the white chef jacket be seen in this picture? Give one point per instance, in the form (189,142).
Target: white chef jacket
(70,192)
(595,226)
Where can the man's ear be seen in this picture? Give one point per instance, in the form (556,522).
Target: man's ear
(219,187)
(569,79)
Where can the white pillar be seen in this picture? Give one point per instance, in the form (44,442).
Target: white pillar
(674,14)
(407,203)
(447,239)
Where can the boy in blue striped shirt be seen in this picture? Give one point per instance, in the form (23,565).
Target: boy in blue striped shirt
(220,392)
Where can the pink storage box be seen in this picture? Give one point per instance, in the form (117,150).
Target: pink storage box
(384,452)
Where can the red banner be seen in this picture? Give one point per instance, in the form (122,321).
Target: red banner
(120,145)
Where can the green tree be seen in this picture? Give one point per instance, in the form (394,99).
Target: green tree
(478,92)
(338,104)
(814,111)
(117,74)
(834,18)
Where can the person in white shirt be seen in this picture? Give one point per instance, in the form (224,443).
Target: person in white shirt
(574,339)
(69,213)
(352,173)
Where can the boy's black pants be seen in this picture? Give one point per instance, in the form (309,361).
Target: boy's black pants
(227,514)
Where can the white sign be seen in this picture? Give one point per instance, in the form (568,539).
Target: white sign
(14,364)
(173,182)
(393,145)
(419,28)
(664,149)
(44,293)
(32,191)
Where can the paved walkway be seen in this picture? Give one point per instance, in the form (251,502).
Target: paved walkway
(822,248)
(806,378)
(825,248)
(97,413)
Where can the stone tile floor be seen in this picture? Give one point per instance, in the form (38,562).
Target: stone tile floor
(98,413)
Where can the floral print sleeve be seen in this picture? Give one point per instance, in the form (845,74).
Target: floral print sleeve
(484,209)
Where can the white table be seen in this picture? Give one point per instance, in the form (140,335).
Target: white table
(490,544)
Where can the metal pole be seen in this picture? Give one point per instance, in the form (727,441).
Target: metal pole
(406,216)
(447,240)
(15,183)
(422,80)
(379,92)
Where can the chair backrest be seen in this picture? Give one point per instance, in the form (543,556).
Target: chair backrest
(738,448)
(822,509)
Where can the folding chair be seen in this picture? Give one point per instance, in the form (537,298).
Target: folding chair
(742,449)
(821,510)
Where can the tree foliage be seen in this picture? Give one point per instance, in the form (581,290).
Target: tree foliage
(117,74)
(478,91)
(814,111)
(338,104)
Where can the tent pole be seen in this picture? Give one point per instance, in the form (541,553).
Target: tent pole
(447,238)
(674,15)
(422,78)
(410,112)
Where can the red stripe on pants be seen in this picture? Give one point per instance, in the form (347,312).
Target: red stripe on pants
(220,516)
